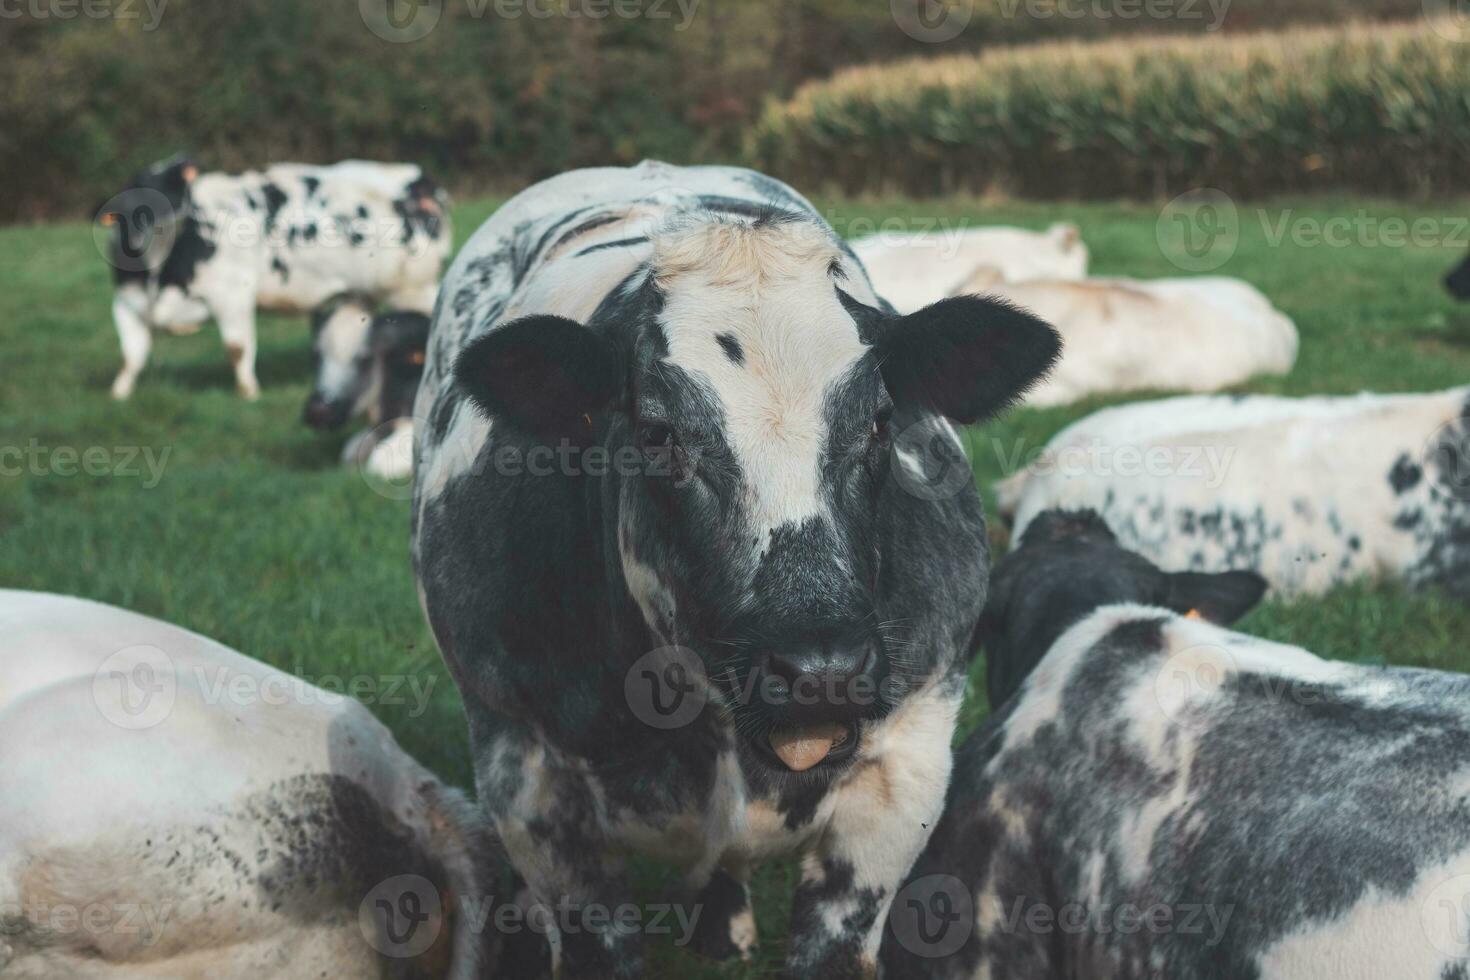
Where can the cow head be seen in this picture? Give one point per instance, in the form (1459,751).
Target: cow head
(1068,564)
(145,213)
(759,400)
(1458,281)
(363,363)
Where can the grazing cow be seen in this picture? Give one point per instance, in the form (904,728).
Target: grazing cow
(913,270)
(1458,281)
(1193,334)
(170,808)
(1165,798)
(190,246)
(1310,492)
(371,365)
(734,515)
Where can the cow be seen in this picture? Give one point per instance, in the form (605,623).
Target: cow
(913,270)
(187,246)
(727,614)
(368,364)
(1161,796)
(1458,281)
(1190,334)
(1310,492)
(172,808)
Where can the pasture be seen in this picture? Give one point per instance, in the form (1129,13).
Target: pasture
(235,520)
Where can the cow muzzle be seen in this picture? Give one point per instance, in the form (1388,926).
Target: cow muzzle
(325,415)
(815,697)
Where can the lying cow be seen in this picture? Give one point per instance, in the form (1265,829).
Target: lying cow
(1310,492)
(1163,797)
(172,808)
(1192,334)
(723,619)
(367,364)
(188,247)
(913,270)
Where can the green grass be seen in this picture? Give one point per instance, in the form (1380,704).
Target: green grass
(255,536)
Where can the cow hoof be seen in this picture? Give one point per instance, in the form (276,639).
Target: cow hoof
(122,389)
(249,392)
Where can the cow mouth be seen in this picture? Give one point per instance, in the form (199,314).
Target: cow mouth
(799,748)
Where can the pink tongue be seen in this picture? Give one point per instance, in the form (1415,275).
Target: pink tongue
(802,748)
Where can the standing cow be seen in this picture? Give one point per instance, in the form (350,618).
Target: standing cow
(1163,798)
(1310,492)
(189,246)
(676,453)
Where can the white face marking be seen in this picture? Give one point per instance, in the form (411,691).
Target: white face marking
(769,289)
(342,339)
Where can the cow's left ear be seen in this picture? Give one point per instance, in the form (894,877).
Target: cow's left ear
(1221,598)
(966,357)
(546,374)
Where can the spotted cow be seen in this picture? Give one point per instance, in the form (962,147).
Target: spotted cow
(368,364)
(1161,797)
(187,247)
(678,535)
(170,808)
(1310,492)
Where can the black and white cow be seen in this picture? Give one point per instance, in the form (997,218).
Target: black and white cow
(1458,281)
(368,364)
(189,246)
(170,808)
(734,511)
(1165,798)
(1310,492)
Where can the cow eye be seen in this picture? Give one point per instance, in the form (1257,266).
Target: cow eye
(655,437)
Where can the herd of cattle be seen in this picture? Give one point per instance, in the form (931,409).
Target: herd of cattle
(751,634)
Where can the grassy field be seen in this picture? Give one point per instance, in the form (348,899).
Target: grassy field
(251,532)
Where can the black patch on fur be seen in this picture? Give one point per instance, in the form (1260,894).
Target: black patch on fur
(275,199)
(731,347)
(1405,475)
(619,243)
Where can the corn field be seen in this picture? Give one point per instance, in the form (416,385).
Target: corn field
(1380,109)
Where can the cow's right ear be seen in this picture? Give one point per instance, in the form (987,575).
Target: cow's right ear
(547,374)
(1221,598)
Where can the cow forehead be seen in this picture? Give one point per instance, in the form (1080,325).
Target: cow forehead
(345,333)
(752,310)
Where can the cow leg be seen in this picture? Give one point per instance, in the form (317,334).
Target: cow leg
(237,328)
(137,341)
(726,925)
(549,820)
(885,811)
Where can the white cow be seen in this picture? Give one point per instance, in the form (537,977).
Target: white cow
(1309,492)
(170,808)
(1192,334)
(190,246)
(913,270)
